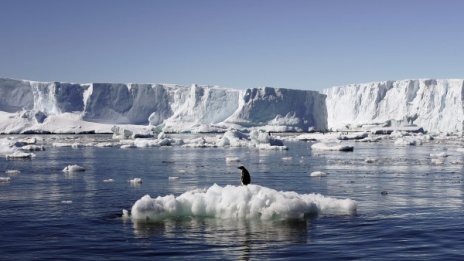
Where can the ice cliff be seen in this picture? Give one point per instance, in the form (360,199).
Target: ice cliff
(31,107)
(54,107)
(435,105)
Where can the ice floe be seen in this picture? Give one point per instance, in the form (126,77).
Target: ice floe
(73,168)
(239,202)
(318,174)
(331,147)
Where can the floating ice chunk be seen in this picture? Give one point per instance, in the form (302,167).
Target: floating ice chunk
(143,143)
(371,139)
(4,179)
(33,148)
(135,181)
(439,155)
(74,145)
(12,172)
(73,168)
(460,149)
(104,144)
(370,160)
(20,155)
(239,202)
(128,146)
(232,159)
(354,136)
(318,174)
(66,202)
(287,158)
(172,178)
(108,180)
(125,214)
(438,161)
(408,141)
(331,147)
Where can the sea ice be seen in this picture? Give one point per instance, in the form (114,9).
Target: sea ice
(73,168)
(4,179)
(136,181)
(318,174)
(239,202)
(331,147)
(12,172)
(20,155)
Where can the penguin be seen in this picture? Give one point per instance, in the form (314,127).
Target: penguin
(246,179)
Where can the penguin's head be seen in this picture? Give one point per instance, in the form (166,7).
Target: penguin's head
(241,167)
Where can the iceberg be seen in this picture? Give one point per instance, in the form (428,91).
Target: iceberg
(56,107)
(435,105)
(143,110)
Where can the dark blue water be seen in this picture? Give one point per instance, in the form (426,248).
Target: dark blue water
(47,214)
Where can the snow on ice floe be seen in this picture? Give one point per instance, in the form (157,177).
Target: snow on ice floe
(239,202)
(331,147)
(73,168)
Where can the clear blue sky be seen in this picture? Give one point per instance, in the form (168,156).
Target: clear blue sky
(235,43)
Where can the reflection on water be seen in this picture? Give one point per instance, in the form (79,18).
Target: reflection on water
(247,237)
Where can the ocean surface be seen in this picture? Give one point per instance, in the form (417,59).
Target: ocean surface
(410,206)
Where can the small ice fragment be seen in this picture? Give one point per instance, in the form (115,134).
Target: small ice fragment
(287,158)
(125,214)
(331,147)
(136,181)
(66,201)
(370,160)
(232,159)
(128,146)
(4,179)
(12,172)
(460,149)
(20,155)
(108,180)
(439,155)
(172,178)
(318,174)
(73,168)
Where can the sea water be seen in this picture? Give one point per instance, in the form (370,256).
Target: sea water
(409,204)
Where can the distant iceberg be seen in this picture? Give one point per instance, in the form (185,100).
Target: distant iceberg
(54,107)
(434,105)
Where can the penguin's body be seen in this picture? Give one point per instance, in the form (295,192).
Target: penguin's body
(245,177)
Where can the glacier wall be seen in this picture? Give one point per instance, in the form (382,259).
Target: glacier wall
(435,105)
(26,105)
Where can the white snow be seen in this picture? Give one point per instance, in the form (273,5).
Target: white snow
(239,202)
(73,168)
